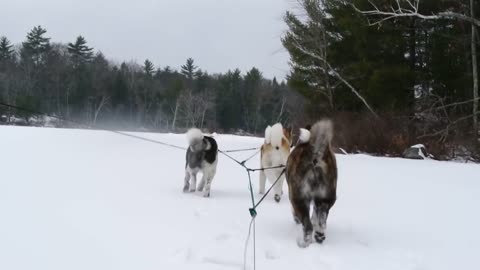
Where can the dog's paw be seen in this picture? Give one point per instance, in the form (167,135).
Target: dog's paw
(185,189)
(304,241)
(277,198)
(192,190)
(206,194)
(319,237)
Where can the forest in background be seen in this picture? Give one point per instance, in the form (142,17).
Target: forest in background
(74,82)
(387,85)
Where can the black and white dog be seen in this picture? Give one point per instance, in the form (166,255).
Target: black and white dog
(202,155)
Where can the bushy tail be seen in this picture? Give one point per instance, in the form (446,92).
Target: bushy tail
(268,133)
(276,135)
(194,134)
(321,135)
(304,136)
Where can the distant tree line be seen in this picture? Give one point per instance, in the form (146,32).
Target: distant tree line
(75,82)
(388,81)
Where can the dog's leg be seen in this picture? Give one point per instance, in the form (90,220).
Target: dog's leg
(201,186)
(202,182)
(193,184)
(296,218)
(262,181)
(279,186)
(186,184)
(302,213)
(208,177)
(291,195)
(319,219)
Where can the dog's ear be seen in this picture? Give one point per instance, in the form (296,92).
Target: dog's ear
(288,132)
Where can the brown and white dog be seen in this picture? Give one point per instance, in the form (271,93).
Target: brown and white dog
(275,152)
(312,178)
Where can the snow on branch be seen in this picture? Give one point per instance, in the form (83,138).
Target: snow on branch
(410,9)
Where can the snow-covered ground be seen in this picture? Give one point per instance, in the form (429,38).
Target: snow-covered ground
(76,199)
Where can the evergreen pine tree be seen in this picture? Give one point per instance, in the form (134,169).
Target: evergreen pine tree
(189,69)
(79,51)
(333,37)
(148,68)
(6,50)
(304,39)
(167,70)
(229,108)
(275,83)
(36,46)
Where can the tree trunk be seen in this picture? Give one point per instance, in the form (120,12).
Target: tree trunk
(68,106)
(175,115)
(475,77)
(99,108)
(413,61)
(280,114)
(58,96)
(203,118)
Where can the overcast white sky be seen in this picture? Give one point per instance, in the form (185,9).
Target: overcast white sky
(218,34)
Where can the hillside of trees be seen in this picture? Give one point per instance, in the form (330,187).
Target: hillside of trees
(387,84)
(75,82)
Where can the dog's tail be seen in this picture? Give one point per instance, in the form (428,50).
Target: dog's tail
(268,133)
(194,135)
(276,135)
(321,135)
(304,136)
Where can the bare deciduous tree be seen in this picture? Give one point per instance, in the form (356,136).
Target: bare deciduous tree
(193,107)
(103,101)
(410,9)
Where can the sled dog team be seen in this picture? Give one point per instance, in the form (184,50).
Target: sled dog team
(310,170)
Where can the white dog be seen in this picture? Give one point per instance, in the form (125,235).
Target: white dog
(275,152)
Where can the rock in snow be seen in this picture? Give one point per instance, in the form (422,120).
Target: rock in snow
(417,151)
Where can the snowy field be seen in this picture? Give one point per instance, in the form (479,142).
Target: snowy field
(76,199)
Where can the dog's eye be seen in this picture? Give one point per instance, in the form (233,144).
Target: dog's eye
(315,161)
